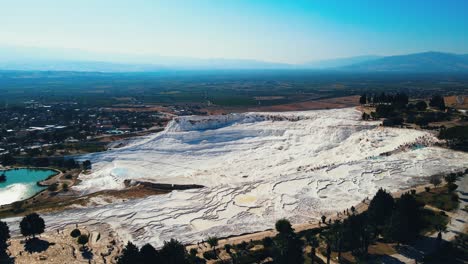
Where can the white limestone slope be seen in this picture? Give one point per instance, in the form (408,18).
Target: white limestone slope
(257,168)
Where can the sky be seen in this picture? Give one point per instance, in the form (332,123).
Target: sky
(278,31)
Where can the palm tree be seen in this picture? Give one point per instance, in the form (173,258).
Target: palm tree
(213,242)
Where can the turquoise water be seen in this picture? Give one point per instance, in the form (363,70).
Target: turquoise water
(418,146)
(22,184)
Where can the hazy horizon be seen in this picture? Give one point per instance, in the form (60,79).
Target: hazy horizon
(268,31)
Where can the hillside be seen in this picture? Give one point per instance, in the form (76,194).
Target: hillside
(418,62)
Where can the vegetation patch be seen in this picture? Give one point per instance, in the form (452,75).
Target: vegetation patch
(440,198)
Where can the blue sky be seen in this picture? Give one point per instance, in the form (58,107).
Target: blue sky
(290,31)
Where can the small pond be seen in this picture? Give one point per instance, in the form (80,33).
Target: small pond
(21,184)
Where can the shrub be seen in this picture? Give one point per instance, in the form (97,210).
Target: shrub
(75,233)
(452,187)
(227,247)
(209,255)
(68,176)
(454,197)
(435,180)
(427,189)
(82,240)
(53,187)
(267,242)
(451,178)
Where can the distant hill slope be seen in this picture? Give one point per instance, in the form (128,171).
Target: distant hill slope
(340,62)
(418,62)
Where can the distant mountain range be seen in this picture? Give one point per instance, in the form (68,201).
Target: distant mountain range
(341,62)
(418,62)
(38,59)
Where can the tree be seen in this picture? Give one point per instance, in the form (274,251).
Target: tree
(452,187)
(451,178)
(363,99)
(173,252)
(75,232)
(3,178)
(4,236)
(87,165)
(323,219)
(129,254)
(193,259)
(380,208)
(328,253)
(365,116)
(227,248)
(287,245)
(283,226)
(7,160)
(440,228)
(435,180)
(213,242)
(437,101)
(405,221)
(421,106)
(32,225)
(267,242)
(288,248)
(149,255)
(313,242)
(53,187)
(82,240)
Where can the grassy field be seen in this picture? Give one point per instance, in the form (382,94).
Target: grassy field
(224,88)
(439,198)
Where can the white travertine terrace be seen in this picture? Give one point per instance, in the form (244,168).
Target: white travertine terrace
(257,168)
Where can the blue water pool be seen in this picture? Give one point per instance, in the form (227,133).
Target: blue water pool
(22,183)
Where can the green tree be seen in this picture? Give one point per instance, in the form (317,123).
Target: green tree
(149,255)
(288,247)
(437,101)
(129,255)
(75,232)
(173,252)
(406,219)
(435,180)
(3,177)
(323,219)
(363,99)
(4,236)
(314,243)
(421,106)
(213,242)
(328,253)
(83,240)
(451,178)
(380,208)
(32,225)
(283,226)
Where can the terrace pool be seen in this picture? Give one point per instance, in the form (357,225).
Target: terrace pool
(21,184)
